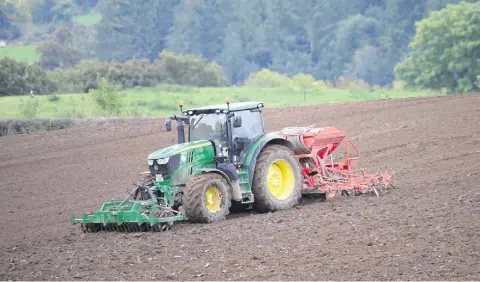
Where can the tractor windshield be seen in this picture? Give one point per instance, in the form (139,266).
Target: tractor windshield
(207,127)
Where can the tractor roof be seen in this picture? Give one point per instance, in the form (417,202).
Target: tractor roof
(238,106)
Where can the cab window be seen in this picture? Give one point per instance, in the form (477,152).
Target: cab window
(252,125)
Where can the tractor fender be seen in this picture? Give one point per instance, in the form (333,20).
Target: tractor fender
(230,175)
(213,170)
(268,140)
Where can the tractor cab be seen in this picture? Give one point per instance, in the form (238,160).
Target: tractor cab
(231,127)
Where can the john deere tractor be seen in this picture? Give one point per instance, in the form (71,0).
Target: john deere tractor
(224,160)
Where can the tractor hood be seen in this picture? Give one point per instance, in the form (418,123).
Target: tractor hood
(177,149)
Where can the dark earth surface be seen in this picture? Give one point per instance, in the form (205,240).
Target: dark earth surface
(428,228)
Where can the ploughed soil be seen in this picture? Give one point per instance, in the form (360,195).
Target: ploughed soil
(428,228)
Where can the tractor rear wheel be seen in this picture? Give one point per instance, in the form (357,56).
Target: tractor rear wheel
(206,198)
(277,181)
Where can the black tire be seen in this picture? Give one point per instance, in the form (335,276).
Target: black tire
(194,199)
(265,201)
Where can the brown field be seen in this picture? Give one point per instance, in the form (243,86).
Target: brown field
(425,229)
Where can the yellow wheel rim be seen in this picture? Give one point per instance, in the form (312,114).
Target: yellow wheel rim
(213,199)
(280,179)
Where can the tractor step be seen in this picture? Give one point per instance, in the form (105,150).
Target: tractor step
(247,198)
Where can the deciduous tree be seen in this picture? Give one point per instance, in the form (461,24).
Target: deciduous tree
(445,50)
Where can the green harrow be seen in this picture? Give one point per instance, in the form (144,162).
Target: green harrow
(139,212)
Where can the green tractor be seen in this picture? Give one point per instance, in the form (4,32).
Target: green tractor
(228,161)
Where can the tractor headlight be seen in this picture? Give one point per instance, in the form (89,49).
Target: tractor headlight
(150,162)
(162,161)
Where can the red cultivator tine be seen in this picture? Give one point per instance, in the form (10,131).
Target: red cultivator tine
(386,176)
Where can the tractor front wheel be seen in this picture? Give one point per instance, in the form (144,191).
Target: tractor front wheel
(277,182)
(206,198)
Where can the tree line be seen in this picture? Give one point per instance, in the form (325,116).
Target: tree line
(362,39)
(19,78)
(377,41)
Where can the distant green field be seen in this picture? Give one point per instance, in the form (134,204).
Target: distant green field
(88,19)
(162,100)
(20,53)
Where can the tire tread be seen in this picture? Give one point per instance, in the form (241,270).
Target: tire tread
(193,198)
(263,201)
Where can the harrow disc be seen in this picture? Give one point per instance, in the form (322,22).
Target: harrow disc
(129,227)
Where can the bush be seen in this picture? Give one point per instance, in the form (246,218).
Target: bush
(398,85)
(344,83)
(305,82)
(83,77)
(20,78)
(190,70)
(169,68)
(320,84)
(53,98)
(108,98)
(299,82)
(268,79)
(29,109)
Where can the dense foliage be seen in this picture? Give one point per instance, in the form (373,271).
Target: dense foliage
(328,39)
(133,29)
(446,50)
(19,78)
(8,31)
(58,52)
(299,82)
(41,11)
(321,40)
(167,68)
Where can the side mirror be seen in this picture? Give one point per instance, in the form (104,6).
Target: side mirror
(168,124)
(237,122)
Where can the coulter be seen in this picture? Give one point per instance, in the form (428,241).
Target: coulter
(229,162)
